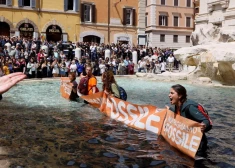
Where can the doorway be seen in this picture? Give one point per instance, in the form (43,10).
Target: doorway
(4,29)
(91,38)
(54,33)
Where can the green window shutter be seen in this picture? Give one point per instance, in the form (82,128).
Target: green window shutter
(77,5)
(124,16)
(33,3)
(20,3)
(166,20)
(133,17)
(82,13)
(65,5)
(9,2)
(93,13)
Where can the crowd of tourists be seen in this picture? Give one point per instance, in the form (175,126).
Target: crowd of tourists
(29,56)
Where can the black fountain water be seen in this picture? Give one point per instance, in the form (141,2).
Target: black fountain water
(41,129)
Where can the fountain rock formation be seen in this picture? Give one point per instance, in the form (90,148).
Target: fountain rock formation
(213,50)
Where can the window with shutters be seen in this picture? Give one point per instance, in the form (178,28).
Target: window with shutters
(175,38)
(26,2)
(163,20)
(3,2)
(176,3)
(128,16)
(188,21)
(188,3)
(163,2)
(70,4)
(87,12)
(176,21)
(187,39)
(162,38)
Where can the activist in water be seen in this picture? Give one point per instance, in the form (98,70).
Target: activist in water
(72,78)
(110,86)
(189,109)
(88,83)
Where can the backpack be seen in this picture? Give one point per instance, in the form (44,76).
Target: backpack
(83,86)
(205,113)
(122,93)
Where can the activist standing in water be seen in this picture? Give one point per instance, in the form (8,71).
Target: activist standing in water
(72,78)
(189,109)
(92,81)
(109,84)
(88,83)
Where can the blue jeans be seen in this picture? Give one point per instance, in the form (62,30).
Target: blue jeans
(93,57)
(140,69)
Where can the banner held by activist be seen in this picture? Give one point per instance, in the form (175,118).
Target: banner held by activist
(182,133)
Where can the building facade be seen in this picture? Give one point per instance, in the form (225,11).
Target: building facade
(113,21)
(169,23)
(219,13)
(51,20)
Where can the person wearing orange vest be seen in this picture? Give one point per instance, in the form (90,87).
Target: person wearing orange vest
(92,81)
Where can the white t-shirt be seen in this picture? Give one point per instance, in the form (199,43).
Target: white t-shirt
(102,68)
(73,68)
(171,59)
(92,48)
(163,66)
(142,64)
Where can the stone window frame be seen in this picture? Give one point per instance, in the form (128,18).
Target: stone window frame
(175,37)
(162,38)
(174,20)
(175,1)
(187,37)
(162,2)
(186,3)
(186,23)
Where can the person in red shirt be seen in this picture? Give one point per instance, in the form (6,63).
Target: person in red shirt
(40,55)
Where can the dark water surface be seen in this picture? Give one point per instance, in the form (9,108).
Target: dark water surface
(41,129)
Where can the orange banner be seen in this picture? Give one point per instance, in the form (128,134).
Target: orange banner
(182,133)
(65,87)
(95,99)
(142,117)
